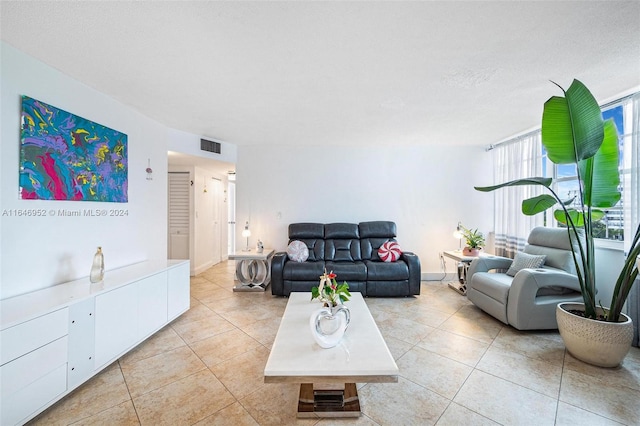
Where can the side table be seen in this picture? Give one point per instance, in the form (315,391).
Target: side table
(253,269)
(463,265)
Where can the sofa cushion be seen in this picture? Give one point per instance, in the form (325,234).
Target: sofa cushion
(347,271)
(304,271)
(297,251)
(390,251)
(342,250)
(383,271)
(341,230)
(495,286)
(312,234)
(523,261)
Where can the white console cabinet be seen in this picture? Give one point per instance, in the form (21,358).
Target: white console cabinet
(55,339)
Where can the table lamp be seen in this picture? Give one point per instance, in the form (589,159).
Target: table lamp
(246,233)
(458,234)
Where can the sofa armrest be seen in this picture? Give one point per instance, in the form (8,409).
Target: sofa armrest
(487,263)
(524,290)
(413,263)
(277,278)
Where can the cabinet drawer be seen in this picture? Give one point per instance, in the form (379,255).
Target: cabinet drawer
(29,400)
(25,370)
(30,335)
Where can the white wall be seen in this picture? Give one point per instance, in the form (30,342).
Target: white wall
(40,252)
(426,190)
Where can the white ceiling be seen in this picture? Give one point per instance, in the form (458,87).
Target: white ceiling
(324,73)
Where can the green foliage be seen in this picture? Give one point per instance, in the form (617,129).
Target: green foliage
(472,237)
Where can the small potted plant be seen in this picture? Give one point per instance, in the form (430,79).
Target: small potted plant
(474,241)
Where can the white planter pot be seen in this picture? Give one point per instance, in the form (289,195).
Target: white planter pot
(600,343)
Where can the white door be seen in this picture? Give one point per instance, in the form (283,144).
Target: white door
(216,241)
(178,220)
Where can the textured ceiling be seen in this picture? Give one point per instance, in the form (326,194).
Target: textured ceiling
(324,73)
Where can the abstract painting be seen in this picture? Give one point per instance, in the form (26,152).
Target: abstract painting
(66,157)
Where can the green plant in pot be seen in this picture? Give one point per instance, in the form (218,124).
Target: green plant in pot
(474,241)
(573,132)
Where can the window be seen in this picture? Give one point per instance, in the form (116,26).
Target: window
(611,226)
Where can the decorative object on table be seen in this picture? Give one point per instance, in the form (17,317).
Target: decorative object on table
(149,170)
(329,323)
(259,247)
(67,157)
(573,132)
(97,267)
(474,241)
(297,251)
(390,251)
(246,233)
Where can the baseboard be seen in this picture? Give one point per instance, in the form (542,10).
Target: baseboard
(438,276)
(200,269)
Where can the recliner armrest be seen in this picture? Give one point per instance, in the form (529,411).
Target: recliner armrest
(277,278)
(487,263)
(413,263)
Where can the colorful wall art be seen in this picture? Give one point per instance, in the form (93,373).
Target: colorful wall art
(66,157)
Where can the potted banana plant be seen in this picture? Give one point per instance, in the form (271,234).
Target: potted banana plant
(573,132)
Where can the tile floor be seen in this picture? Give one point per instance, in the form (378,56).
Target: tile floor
(458,366)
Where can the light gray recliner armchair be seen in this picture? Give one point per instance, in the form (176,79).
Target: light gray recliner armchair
(527,300)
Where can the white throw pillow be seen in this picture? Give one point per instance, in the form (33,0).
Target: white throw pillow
(525,260)
(390,251)
(297,251)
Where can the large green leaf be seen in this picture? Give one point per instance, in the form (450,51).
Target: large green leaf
(538,204)
(576,217)
(572,127)
(600,174)
(518,182)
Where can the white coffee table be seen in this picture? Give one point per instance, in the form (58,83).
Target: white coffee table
(361,357)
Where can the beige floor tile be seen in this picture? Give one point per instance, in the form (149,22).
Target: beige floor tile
(228,304)
(601,396)
(244,316)
(243,374)
(459,348)
(435,372)
(275,404)
(402,328)
(210,293)
(363,420)
(233,415)
(197,312)
(264,331)
(483,329)
(163,341)
(627,374)
(457,415)
(184,402)
(397,347)
(201,329)
(546,346)
(568,415)
(152,373)
(104,391)
(224,346)
(533,374)
(402,403)
(505,402)
(122,415)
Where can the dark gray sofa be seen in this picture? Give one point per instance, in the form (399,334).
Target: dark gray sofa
(351,251)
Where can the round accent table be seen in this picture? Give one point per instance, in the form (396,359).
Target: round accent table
(253,269)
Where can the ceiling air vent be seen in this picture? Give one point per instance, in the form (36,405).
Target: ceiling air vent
(210,146)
